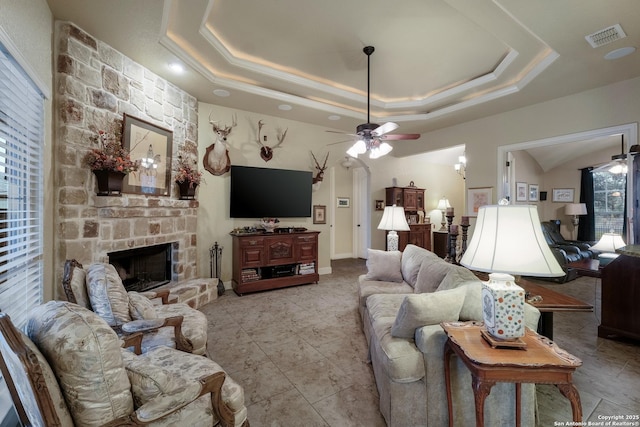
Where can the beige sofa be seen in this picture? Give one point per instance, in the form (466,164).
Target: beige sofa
(401,321)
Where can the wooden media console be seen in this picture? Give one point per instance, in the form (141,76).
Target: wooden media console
(263,261)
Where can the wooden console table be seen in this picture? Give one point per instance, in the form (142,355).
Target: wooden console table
(263,261)
(551,302)
(541,361)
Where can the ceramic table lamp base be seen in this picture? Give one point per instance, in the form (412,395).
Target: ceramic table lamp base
(503,307)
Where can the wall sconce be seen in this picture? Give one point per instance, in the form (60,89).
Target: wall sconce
(461,166)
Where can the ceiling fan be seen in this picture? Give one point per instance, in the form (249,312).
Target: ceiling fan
(618,163)
(371,136)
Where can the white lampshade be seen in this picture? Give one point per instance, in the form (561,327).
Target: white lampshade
(443,204)
(575,209)
(609,242)
(393,219)
(508,239)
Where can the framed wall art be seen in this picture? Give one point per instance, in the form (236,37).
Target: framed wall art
(150,146)
(521,191)
(379,205)
(343,202)
(478,197)
(533,192)
(319,214)
(563,195)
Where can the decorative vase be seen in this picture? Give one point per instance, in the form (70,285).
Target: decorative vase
(109,182)
(187,191)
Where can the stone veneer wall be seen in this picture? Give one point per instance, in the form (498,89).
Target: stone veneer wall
(95,85)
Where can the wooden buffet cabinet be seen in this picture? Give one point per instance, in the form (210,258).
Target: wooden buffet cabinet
(621,295)
(263,261)
(412,200)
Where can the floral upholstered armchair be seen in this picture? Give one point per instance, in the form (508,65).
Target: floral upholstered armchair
(70,369)
(99,288)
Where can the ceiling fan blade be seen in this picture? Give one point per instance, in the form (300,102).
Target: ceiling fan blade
(385,128)
(341,133)
(400,136)
(340,142)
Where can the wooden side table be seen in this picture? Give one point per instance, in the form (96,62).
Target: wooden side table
(542,362)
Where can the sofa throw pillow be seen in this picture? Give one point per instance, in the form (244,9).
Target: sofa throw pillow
(419,310)
(141,307)
(412,258)
(457,276)
(431,273)
(384,265)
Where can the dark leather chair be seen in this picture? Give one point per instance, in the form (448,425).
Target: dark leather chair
(580,250)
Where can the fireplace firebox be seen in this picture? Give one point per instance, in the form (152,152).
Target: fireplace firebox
(143,268)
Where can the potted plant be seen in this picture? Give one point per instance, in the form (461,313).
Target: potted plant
(110,163)
(187,175)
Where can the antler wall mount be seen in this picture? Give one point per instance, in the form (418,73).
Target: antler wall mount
(266,152)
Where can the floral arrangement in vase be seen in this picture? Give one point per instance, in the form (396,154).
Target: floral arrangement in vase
(185,167)
(110,155)
(269,224)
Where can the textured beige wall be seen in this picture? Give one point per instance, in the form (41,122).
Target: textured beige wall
(214,223)
(28,26)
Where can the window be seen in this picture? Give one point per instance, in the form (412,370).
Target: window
(21,191)
(609,198)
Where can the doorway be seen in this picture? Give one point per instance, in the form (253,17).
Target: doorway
(629,131)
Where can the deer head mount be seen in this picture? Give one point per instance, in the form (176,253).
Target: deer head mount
(320,175)
(266,152)
(216,158)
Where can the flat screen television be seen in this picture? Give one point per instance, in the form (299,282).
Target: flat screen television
(270,193)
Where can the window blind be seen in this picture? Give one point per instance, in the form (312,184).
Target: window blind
(21,191)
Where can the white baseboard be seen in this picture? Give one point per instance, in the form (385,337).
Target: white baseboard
(342,256)
(325,270)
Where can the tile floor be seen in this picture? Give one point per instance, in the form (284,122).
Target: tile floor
(300,355)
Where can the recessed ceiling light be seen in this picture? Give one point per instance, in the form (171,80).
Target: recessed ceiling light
(284,107)
(334,117)
(221,92)
(176,67)
(619,53)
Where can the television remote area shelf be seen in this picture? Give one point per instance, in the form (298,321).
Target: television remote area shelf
(274,260)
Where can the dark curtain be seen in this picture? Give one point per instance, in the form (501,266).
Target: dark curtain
(587,225)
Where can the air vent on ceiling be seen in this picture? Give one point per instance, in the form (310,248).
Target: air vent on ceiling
(606,36)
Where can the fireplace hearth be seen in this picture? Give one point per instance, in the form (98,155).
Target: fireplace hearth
(143,268)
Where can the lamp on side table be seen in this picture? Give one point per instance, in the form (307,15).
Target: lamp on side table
(508,241)
(393,220)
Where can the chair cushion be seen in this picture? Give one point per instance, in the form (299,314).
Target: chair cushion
(74,283)
(384,265)
(193,366)
(412,258)
(141,307)
(107,294)
(419,310)
(84,354)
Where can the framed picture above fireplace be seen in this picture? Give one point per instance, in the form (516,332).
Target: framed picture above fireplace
(151,146)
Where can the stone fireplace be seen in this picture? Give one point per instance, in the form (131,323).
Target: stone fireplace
(145,268)
(95,85)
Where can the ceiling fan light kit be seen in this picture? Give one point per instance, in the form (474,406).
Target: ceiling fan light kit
(371,136)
